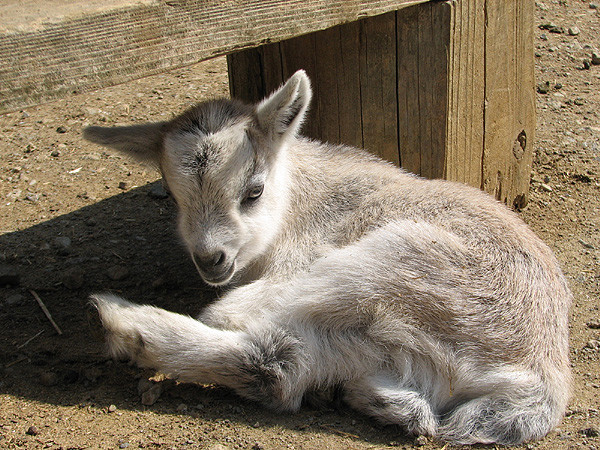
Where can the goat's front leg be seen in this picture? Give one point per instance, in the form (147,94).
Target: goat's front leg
(243,306)
(265,363)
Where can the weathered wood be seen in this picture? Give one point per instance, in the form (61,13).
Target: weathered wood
(444,88)
(466,92)
(409,129)
(378,86)
(423,80)
(327,52)
(348,86)
(63,49)
(509,101)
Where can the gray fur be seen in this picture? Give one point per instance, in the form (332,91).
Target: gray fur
(433,306)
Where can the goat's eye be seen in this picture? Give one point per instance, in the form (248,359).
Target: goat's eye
(254,193)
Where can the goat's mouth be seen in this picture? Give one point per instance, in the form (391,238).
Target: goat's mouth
(216,277)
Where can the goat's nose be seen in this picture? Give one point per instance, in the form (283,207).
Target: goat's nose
(216,267)
(210,261)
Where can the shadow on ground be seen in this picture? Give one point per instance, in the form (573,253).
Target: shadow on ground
(126,244)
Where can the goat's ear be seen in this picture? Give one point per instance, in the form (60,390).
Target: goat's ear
(281,114)
(141,142)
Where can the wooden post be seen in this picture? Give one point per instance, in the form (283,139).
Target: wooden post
(509,100)
(445,89)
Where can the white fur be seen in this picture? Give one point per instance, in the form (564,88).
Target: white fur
(431,305)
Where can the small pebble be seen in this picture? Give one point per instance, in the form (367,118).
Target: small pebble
(596,58)
(14,299)
(574,31)
(591,432)
(62,244)
(144,385)
(159,282)
(594,344)
(218,447)
(421,441)
(61,130)
(151,396)
(112,408)
(182,407)
(123,186)
(32,431)
(552,28)
(73,278)
(157,191)
(593,324)
(543,87)
(55,153)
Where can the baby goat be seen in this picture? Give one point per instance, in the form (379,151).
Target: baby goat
(430,304)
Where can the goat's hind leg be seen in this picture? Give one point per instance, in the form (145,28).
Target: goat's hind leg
(382,397)
(510,413)
(264,364)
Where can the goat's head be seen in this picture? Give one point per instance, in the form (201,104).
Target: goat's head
(225,164)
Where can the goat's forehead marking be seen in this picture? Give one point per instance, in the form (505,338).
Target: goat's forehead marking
(222,160)
(197,151)
(213,116)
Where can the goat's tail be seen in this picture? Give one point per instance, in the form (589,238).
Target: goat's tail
(509,414)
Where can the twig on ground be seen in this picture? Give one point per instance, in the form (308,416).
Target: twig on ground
(343,433)
(17,361)
(29,340)
(46,312)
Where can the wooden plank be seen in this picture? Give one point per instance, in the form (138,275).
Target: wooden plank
(433,38)
(250,62)
(81,49)
(423,35)
(349,96)
(466,92)
(510,100)
(33,15)
(272,68)
(409,129)
(462,90)
(378,86)
(331,59)
(327,55)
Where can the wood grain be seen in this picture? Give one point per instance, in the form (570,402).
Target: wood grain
(424,36)
(86,48)
(509,101)
(378,84)
(466,92)
(444,88)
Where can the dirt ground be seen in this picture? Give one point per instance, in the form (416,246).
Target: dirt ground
(75,219)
